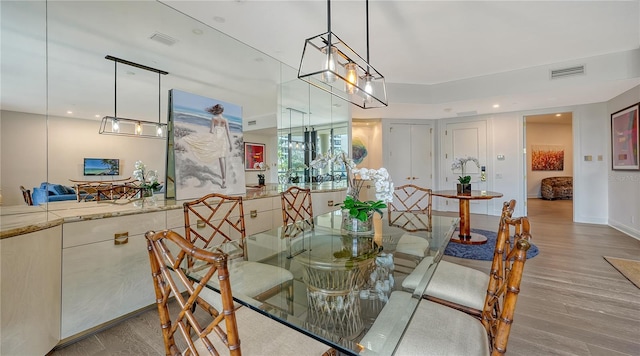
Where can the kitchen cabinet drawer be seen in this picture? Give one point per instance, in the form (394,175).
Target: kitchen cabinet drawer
(258,221)
(324,202)
(91,231)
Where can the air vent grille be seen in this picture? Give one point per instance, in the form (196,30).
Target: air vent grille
(164,39)
(567,72)
(251,123)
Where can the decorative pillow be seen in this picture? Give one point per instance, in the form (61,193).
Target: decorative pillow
(69,190)
(58,189)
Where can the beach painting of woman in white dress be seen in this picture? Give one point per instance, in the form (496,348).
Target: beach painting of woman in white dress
(208,146)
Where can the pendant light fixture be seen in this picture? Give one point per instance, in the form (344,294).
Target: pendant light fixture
(331,65)
(117,125)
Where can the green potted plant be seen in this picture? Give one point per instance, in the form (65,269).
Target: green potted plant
(464,185)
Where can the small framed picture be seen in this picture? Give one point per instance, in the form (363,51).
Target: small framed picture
(625,143)
(254,156)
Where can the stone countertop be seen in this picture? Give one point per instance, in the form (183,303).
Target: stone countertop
(23,219)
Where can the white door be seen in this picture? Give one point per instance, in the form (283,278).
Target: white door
(468,139)
(410,159)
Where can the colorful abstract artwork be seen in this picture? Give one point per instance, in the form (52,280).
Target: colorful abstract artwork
(547,158)
(254,156)
(358,149)
(208,146)
(624,139)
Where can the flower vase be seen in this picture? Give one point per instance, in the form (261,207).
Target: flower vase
(357,235)
(145,197)
(464,188)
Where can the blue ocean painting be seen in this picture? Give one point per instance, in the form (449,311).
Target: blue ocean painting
(191,108)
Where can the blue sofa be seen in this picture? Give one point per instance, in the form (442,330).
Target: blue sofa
(48,192)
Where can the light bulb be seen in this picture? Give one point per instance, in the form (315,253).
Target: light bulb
(138,128)
(329,64)
(115,125)
(352,78)
(368,88)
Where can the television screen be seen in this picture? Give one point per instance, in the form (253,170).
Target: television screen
(101,167)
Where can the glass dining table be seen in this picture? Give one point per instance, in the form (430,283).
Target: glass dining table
(341,283)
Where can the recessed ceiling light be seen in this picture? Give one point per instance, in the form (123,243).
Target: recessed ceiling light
(69,112)
(197,31)
(219,19)
(131,73)
(97,115)
(558,115)
(496,106)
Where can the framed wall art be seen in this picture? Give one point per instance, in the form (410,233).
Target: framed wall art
(254,156)
(625,145)
(204,146)
(547,158)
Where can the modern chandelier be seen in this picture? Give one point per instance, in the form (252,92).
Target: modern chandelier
(331,65)
(117,125)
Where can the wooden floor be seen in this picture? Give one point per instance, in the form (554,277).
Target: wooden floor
(572,302)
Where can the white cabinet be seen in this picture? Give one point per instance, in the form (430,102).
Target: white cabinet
(324,202)
(259,214)
(30,302)
(105,270)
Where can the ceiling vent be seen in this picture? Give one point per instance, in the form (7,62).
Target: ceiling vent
(467,113)
(164,39)
(567,72)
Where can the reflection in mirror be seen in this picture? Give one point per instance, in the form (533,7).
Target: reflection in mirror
(24,85)
(57,85)
(62,127)
(312,122)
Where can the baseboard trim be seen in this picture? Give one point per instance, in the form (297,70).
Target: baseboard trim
(628,230)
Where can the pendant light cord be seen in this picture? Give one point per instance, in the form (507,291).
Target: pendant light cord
(367,22)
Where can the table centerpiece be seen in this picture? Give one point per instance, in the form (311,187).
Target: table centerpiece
(464,185)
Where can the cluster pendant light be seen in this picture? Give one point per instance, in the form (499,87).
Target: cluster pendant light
(122,126)
(331,65)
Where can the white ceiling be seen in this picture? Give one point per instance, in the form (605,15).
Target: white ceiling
(454,58)
(440,59)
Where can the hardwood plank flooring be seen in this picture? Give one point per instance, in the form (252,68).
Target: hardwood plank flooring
(572,302)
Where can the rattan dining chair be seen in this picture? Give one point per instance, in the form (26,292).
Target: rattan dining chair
(217,220)
(226,329)
(26,194)
(460,287)
(410,198)
(436,329)
(297,216)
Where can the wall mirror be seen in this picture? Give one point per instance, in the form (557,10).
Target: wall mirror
(312,122)
(58,85)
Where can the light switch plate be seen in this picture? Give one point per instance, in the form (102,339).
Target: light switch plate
(500,157)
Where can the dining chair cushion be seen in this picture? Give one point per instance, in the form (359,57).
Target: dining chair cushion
(248,279)
(412,245)
(438,330)
(452,282)
(264,336)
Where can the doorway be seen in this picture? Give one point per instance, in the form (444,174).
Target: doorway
(549,155)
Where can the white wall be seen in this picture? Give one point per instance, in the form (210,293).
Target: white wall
(271,159)
(505,137)
(548,134)
(623,186)
(23,154)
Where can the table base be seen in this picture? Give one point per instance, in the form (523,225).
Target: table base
(473,239)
